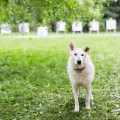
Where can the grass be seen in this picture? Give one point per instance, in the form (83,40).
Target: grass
(34,84)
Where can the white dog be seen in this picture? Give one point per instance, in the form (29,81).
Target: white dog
(81,73)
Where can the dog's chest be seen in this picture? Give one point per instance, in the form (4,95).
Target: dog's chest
(81,79)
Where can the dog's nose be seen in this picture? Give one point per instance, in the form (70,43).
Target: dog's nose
(79,62)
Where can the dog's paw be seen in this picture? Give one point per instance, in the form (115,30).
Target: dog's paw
(76,110)
(88,107)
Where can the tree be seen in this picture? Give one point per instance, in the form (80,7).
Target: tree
(68,10)
(13,11)
(112,10)
(50,11)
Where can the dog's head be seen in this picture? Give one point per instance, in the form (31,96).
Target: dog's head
(78,55)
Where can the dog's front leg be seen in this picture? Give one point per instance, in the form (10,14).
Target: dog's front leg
(76,95)
(88,96)
(91,96)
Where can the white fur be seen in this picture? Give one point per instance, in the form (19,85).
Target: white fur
(84,77)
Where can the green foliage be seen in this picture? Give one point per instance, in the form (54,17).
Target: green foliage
(44,12)
(112,9)
(34,83)
(14,11)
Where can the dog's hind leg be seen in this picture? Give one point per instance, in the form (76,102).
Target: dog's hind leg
(76,95)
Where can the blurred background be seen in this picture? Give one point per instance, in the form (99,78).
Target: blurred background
(49,12)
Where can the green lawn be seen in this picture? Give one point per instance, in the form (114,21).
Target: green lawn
(34,84)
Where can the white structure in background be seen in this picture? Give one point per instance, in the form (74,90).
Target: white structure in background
(20,27)
(94,26)
(60,26)
(42,31)
(77,26)
(6,29)
(24,27)
(111,24)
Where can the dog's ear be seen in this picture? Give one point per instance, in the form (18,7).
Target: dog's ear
(86,49)
(72,46)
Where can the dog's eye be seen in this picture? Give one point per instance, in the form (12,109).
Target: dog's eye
(75,54)
(82,54)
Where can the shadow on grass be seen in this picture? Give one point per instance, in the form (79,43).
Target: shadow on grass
(65,111)
(70,104)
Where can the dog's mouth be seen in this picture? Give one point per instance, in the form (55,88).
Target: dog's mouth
(79,70)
